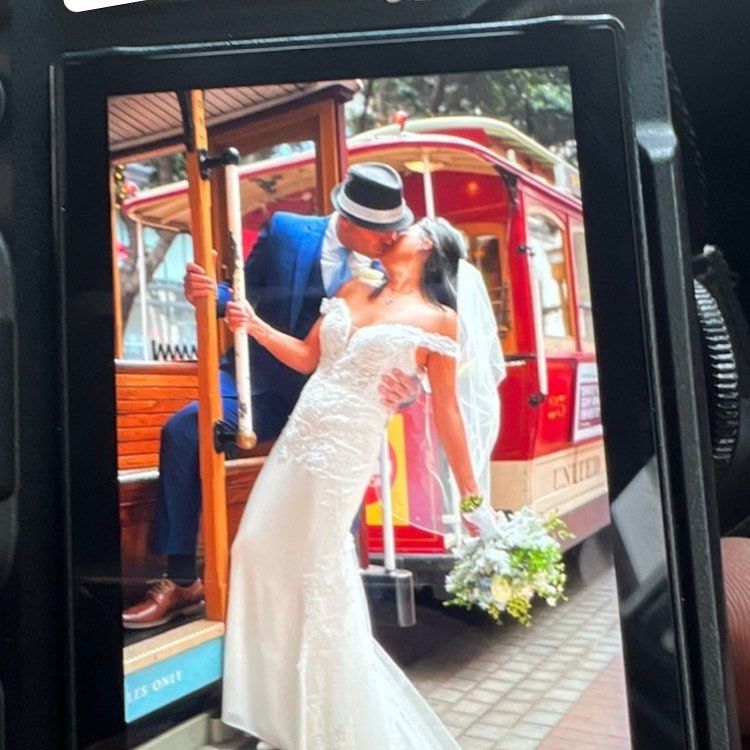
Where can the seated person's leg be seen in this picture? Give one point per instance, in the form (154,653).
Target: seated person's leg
(177,517)
(179,505)
(176,525)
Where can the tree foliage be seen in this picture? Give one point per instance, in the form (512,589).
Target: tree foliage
(129,281)
(535,100)
(167,169)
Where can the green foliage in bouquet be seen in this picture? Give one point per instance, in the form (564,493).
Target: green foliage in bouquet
(502,573)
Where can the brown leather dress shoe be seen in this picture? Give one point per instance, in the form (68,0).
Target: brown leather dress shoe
(164,601)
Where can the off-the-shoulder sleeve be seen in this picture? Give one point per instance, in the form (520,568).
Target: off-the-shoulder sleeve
(436,342)
(331,303)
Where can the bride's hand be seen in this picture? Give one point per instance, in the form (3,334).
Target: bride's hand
(481,521)
(473,529)
(240,315)
(237,315)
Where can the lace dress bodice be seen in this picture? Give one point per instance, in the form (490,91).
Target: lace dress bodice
(338,421)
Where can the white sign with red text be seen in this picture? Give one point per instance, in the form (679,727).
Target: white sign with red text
(587,417)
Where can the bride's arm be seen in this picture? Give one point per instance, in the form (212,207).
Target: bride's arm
(441,371)
(300,355)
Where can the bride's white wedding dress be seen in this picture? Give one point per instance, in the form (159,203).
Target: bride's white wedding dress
(302,669)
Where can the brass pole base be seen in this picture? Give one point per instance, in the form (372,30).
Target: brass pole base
(247,441)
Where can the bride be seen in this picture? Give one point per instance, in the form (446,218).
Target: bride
(302,670)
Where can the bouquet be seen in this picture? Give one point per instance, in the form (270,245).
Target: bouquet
(504,568)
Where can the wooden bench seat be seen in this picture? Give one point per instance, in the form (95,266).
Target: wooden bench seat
(147,396)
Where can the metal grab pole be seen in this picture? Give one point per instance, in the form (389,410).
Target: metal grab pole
(536,305)
(142,289)
(429,193)
(246,437)
(454,515)
(389,541)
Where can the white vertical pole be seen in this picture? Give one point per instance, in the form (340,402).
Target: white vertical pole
(536,306)
(454,510)
(389,540)
(245,435)
(142,288)
(429,194)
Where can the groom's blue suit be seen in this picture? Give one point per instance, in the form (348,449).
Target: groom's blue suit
(285,286)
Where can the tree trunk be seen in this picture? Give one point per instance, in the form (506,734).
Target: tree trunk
(129,285)
(438,94)
(368,94)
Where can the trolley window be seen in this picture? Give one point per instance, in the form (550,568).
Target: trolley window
(583,290)
(546,239)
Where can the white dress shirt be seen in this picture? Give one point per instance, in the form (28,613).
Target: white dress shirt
(330,254)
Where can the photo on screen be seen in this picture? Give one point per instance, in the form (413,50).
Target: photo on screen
(374,395)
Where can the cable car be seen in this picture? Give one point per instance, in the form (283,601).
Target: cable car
(518,206)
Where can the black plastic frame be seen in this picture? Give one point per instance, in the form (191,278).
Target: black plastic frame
(665,663)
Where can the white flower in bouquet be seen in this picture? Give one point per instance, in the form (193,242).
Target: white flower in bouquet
(505,569)
(501,590)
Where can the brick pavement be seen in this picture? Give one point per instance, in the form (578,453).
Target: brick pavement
(513,688)
(599,719)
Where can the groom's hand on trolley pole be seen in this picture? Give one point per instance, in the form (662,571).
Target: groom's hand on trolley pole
(399,390)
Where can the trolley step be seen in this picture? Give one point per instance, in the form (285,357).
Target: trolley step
(161,670)
(202,732)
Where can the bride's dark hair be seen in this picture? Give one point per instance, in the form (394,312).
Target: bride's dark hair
(441,268)
(440,272)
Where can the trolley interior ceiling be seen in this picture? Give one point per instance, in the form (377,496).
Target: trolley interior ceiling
(152,122)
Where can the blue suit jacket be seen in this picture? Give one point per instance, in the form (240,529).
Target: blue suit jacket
(284,285)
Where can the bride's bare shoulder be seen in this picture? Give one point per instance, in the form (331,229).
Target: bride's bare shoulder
(444,321)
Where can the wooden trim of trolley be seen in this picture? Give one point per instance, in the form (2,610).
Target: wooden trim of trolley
(565,199)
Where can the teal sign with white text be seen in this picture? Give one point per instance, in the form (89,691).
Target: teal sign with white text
(160,684)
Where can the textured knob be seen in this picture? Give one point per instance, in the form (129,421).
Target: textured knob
(722,375)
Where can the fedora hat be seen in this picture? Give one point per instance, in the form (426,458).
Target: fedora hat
(372,196)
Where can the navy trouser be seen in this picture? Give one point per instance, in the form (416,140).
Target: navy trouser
(179,502)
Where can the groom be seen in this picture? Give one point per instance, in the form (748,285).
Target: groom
(296,261)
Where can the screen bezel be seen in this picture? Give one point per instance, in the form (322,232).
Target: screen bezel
(589,48)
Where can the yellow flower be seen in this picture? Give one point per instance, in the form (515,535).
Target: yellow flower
(500,589)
